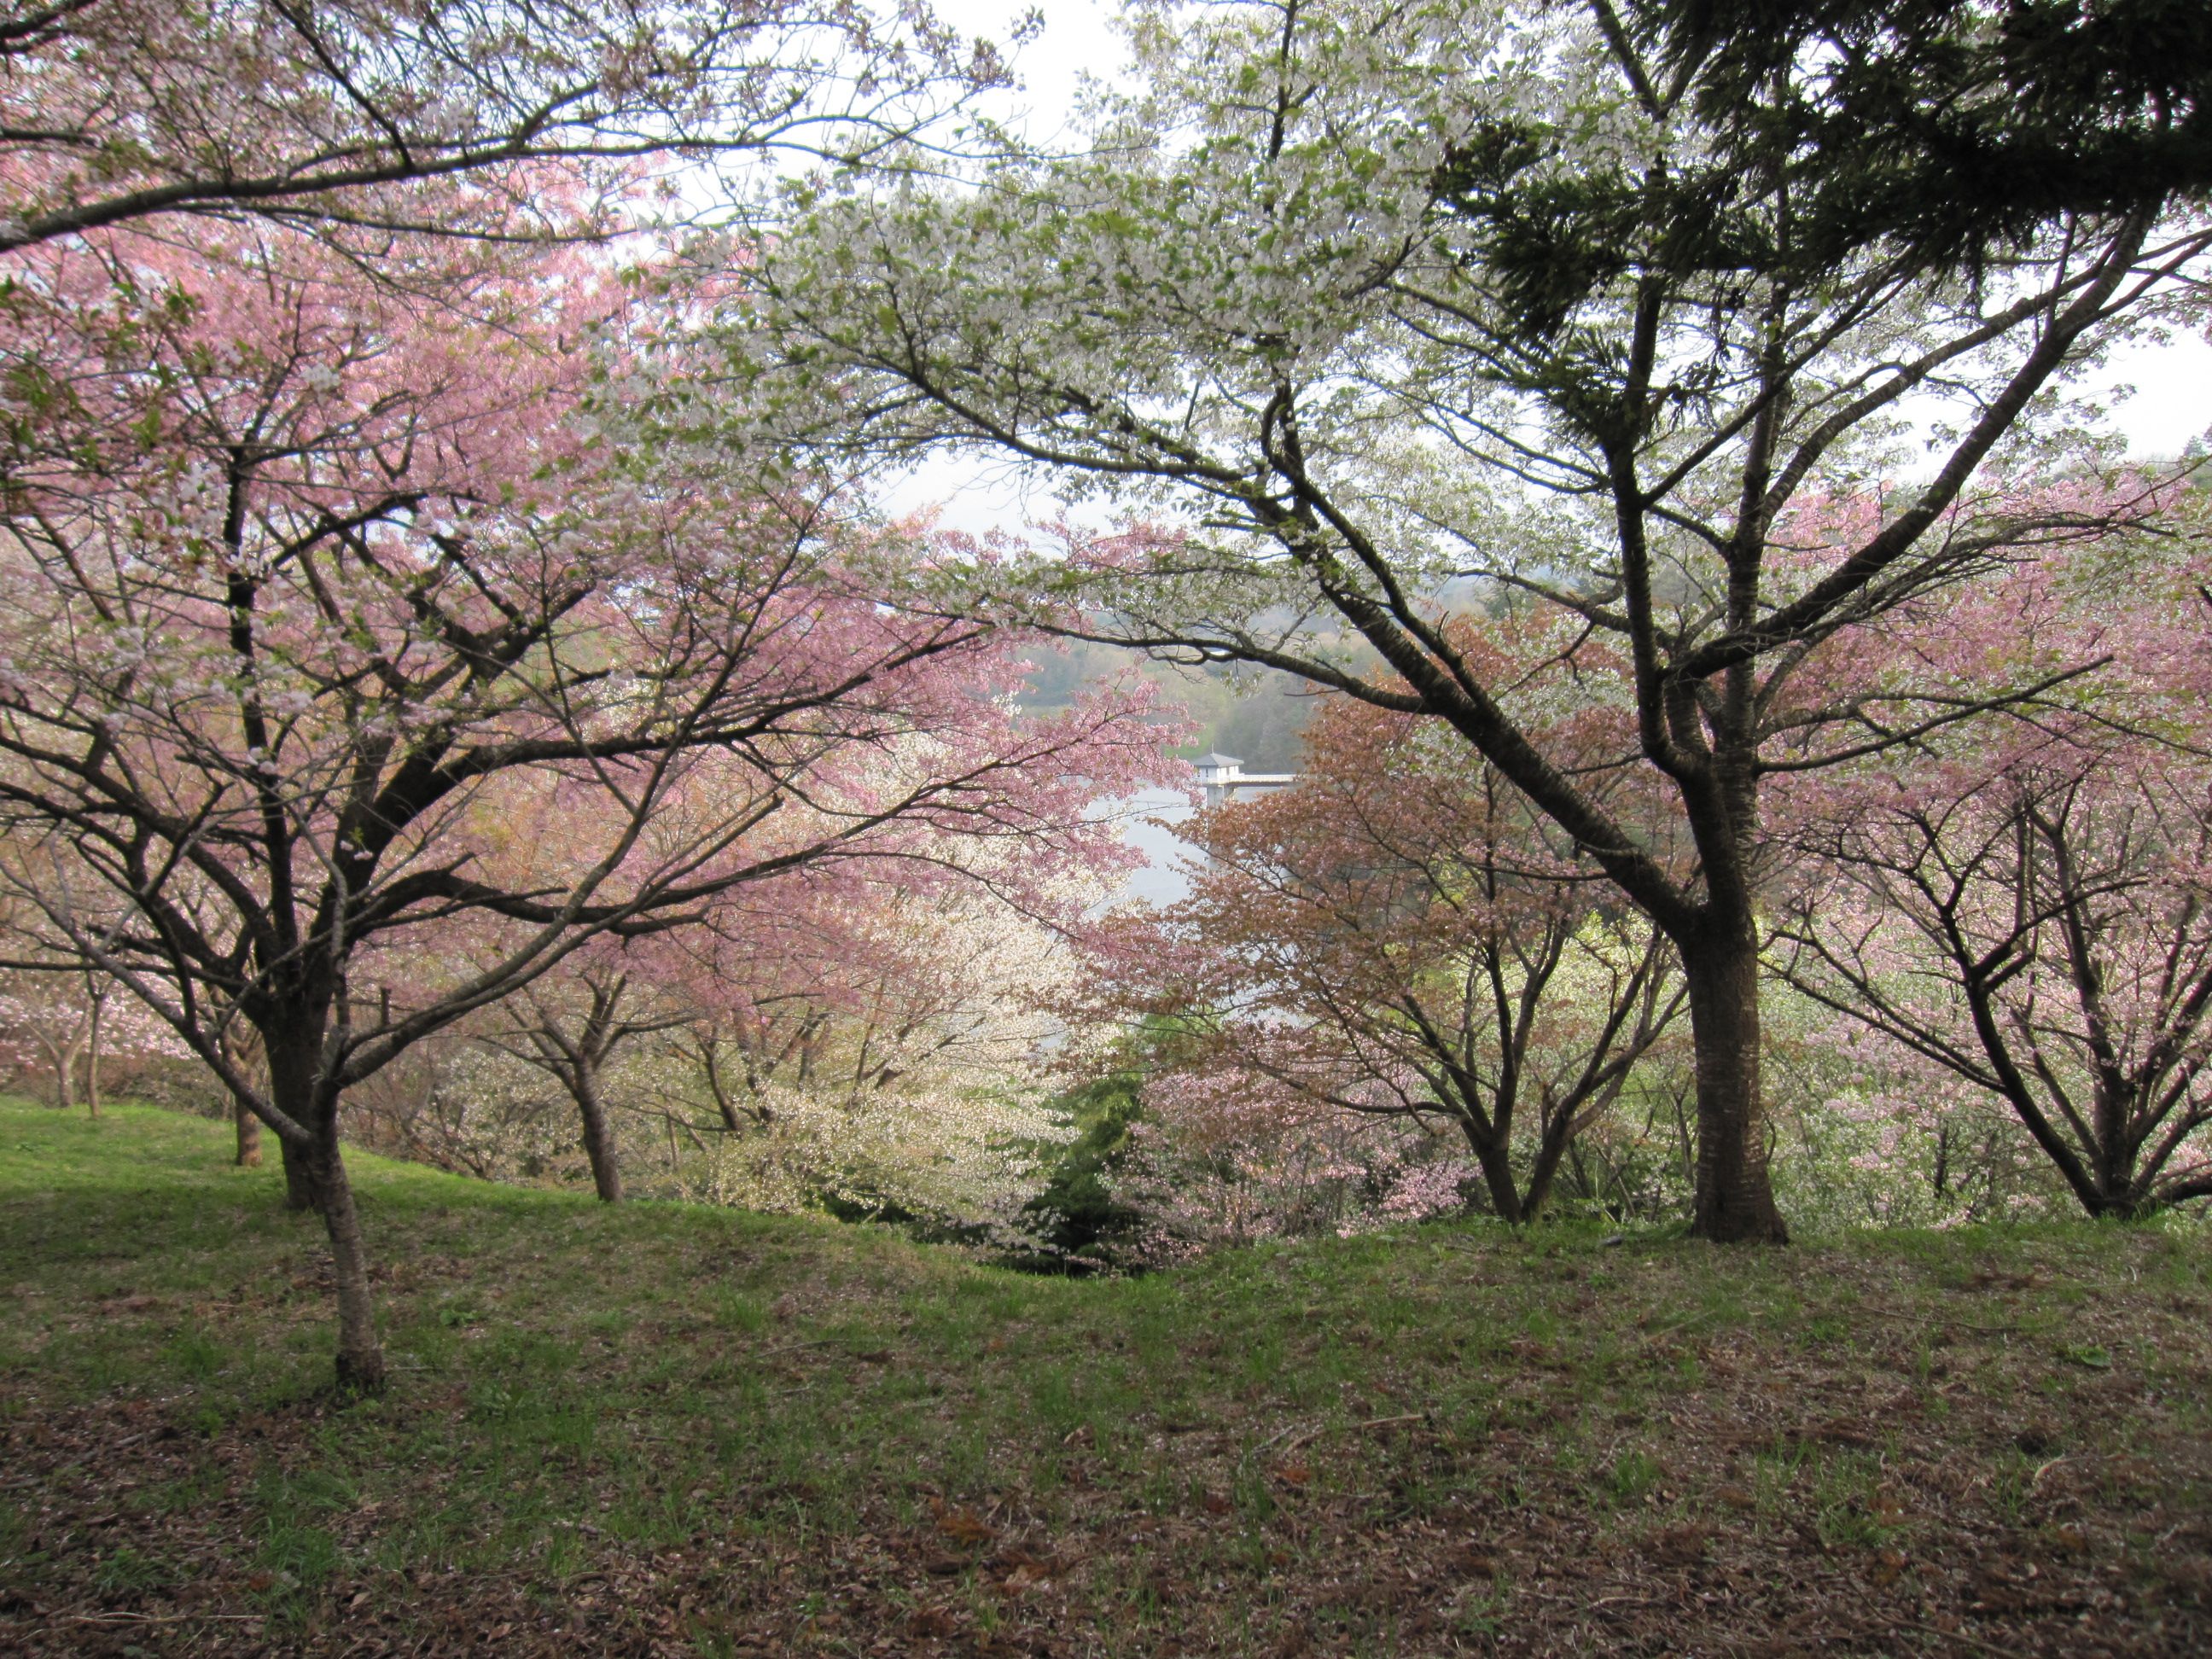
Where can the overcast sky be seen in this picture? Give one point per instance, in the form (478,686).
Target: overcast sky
(2172,403)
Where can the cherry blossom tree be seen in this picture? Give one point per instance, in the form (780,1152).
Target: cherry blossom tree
(1218,1161)
(58,1014)
(333,617)
(1351,311)
(873,1040)
(571,1027)
(1398,936)
(850,976)
(59,1017)
(2025,909)
(325,115)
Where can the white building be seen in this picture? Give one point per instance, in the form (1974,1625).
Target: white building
(1222,777)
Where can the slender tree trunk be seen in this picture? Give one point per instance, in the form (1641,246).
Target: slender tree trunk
(1496,1163)
(1734,1195)
(361,1356)
(598,1133)
(62,1054)
(296,1086)
(1551,1152)
(575,1062)
(244,1051)
(98,1000)
(710,1056)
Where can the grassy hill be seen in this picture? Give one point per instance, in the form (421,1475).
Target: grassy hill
(672,1430)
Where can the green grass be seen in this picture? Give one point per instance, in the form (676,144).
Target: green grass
(710,1431)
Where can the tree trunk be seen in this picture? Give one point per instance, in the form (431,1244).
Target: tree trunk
(1551,1152)
(98,1000)
(360,1356)
(2116,1153)
(243,1051)
(710,1056)
(598,1135)
(292,1068)
(1493,1156)
(315,1168)
(299,1177)
(1734,1196)
(63,1056)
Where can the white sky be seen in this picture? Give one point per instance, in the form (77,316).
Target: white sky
(2171,400)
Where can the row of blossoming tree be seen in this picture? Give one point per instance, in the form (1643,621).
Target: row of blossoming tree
(1719,334)
(374,671)
(451,681)
(1990,947)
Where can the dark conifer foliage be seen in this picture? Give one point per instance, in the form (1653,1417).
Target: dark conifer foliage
(1941,133)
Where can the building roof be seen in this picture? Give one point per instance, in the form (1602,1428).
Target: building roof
(1216,760)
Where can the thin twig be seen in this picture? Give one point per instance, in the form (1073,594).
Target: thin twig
(1272,1438)
(159,1617)
(793,1347)
(1312,1435)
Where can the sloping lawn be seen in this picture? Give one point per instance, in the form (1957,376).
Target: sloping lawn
(670,1430)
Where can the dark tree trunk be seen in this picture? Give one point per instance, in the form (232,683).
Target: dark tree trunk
(576,1061)
(293,1064)
(598,1135)
(315,1168)
(1496,1162)
(1551,1152)
(299,1177)
(2119,1187)
(1734,1195)
(361,1356)
(249,1135)
(710,1056)
(1509,1201)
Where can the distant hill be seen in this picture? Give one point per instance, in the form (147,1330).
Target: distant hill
(1258,715)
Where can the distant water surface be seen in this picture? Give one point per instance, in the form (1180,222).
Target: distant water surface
(1168,859)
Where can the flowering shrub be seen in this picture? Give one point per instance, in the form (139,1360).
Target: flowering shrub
(1219,1160)
(950,1165)
(78,1035)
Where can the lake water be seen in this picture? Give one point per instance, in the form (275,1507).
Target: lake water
(1168,859)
